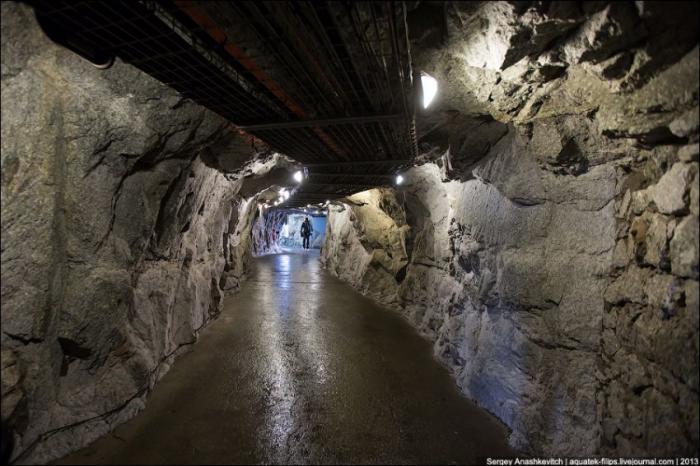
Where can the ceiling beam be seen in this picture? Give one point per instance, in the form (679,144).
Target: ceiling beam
(311,200)
(321,122)
(301,206)
(315,193)
(199,15)
(348,175)
(359,162)
(342,183)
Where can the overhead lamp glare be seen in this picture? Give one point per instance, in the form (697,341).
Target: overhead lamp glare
(399,179)
(430,87)
(298,176)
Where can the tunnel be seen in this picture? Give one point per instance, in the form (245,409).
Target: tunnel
(406,232)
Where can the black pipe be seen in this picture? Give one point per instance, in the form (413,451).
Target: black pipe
(98,57)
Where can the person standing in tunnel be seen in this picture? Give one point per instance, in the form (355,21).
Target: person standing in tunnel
(306,230)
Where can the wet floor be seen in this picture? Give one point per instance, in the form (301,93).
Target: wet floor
(300,368)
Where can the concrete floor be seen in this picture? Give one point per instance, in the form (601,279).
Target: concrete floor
(300,368)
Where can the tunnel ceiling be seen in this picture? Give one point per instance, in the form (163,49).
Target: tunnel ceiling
(326,83)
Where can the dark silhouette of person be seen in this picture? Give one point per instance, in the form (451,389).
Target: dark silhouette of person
(306,230)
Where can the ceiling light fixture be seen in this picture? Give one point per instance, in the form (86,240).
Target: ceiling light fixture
(430,87)
(298,176)
(399,179)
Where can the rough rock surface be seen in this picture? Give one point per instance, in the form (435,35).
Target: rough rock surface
(265,236)
(119,237)
(550,250)
(366,244)
(548,245)
(649,399)
(488,279)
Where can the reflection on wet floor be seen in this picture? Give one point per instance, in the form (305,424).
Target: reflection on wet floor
(300,368)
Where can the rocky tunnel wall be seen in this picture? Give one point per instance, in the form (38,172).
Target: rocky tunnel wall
(535,308)
(548,242)
(265,232)
(126,216)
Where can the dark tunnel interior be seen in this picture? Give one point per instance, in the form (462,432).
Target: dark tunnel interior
(389,232)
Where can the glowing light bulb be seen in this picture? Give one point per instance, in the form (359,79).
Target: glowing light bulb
(399,179)
(298,176)
(430,87)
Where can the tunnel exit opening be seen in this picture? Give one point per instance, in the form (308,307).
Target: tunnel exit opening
(292,233)
(277,231)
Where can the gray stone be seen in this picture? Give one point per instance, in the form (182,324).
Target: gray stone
(628,287)
(13,396)
(117,229)
(518,178)
(547,72)
(684,248)
(365,246)
(614,67)
(686,124)
(623,253)
(694,187)
(612,29)
(640,200)
(656,241)
(689,153)
(663,292)
(669,194)
(546,140)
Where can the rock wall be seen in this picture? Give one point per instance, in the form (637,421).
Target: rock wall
(650,328)
(126,214)
(265,231)
(548,242)
(489,280)
(366,243)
